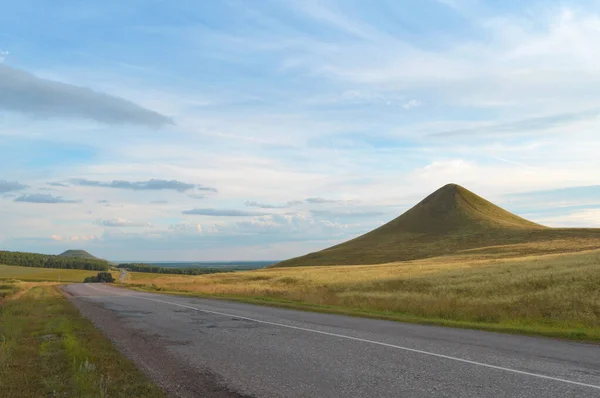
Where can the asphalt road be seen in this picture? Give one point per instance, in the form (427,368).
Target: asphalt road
(270,352)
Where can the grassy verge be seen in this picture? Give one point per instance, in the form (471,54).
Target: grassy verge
(48,350)
(554,295)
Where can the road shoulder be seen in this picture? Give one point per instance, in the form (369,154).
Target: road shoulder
(151,356)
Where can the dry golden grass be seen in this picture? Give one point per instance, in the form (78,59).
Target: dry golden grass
(556,294)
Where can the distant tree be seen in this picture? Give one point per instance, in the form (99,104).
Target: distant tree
(105,277)
(136,267)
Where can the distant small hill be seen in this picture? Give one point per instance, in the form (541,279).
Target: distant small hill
(78,254)
(450,220)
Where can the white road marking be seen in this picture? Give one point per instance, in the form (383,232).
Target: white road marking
(433,354)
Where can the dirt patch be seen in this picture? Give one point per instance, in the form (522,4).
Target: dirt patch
(23,288)
(176,377)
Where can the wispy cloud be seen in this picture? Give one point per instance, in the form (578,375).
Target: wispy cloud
(318,200)
(121,222)
(150,185)
(11,186)
(347,213)
(44,198)
(223,212)
(525,126)
(259,205)
(58,184)
(21,91)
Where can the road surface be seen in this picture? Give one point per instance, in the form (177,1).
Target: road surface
(235,349)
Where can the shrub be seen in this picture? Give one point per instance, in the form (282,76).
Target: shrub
(102,277)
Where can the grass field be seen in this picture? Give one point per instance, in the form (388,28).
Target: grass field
(48,350)
(553,295)
(44,274)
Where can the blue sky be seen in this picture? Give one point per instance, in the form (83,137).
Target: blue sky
(236,130)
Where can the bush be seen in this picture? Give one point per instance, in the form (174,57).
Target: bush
(102,277)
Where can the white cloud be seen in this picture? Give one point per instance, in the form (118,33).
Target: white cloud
(74,238)
(413,103)
(328,135)
(584,218)
(121,222)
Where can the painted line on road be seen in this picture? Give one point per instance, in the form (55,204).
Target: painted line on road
(433,354)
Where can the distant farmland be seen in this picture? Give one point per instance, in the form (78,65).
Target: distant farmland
(44,274)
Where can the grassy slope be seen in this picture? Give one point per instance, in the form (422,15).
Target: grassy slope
(450,220)
(45,274)
(48,349)
(553,295)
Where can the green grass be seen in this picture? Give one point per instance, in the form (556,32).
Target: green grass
(551,295)
(44,274)
(449,221)
(48,350)
(8,288)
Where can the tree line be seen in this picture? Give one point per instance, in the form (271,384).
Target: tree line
(139,267)
(23,259)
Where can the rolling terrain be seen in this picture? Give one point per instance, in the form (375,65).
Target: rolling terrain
(452,220)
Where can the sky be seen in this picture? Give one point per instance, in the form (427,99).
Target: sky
(261,130)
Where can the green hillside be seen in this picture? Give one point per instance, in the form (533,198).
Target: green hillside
(450,220)
(77,254)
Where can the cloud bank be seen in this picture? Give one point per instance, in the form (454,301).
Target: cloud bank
(43,198)
(21,91)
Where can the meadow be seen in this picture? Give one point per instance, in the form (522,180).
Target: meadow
(552,294)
